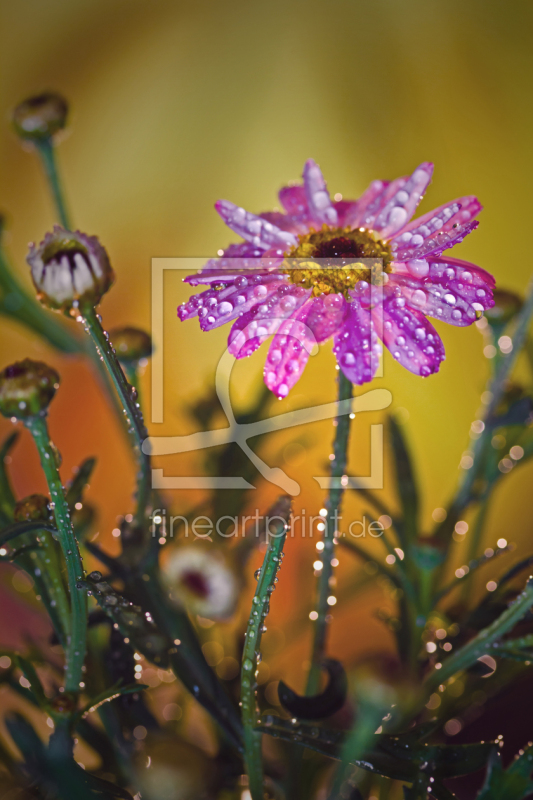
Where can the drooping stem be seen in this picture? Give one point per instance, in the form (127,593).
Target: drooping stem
(47,153)
(77,639)
(260,605)
(128,397)
(333,504)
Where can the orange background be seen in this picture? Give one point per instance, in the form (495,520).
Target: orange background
(175,105)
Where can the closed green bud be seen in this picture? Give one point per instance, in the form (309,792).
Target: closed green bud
(33,508)
(41,116)
(27,388)
(131,344)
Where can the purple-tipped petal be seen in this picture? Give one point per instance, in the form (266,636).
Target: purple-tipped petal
(356,347)
(254,229)
(437,243)
(289,353)
(431,226)
(401,207)
(454,291)
(217,306)
(410,337)
(253,328)
(321,208)
(227,304)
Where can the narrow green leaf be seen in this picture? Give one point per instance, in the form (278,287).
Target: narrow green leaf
(107,696)
(467,655)
(405,482)
(75,489)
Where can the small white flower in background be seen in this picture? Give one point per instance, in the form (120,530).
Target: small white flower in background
(69,269)
(200,579)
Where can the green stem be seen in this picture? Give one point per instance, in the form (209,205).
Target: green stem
(76,646)
(128,397)
(260,605)
(47,153)
(333,503)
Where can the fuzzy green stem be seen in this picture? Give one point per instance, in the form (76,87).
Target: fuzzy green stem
(260,604)
(76,646)
(333,504)
(47,153)
(128,397)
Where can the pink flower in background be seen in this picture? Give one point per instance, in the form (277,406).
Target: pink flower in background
(280,281)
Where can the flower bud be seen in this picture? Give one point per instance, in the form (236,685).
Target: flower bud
(33,508)
(200,579)
(69,270)
(27,388)
(39,117)
(131,344)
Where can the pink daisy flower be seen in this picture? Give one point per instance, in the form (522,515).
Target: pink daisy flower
(256,284)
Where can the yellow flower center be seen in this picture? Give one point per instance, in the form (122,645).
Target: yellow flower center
(333,260)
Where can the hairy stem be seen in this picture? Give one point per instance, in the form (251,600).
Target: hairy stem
(333,504)
(77,639)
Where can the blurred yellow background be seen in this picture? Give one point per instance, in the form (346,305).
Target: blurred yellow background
(175,105)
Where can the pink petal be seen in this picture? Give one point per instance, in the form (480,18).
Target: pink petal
(241,294)
(254,229)
(294,200)
(253,328)
(287,222)
(321,208)
(367,217)
(238,259)
(435,244)
(410,337)
(222,306)
(358,212)
(443,218)
(453,291)
(289,352)
(357,347)
(401,207)
(345,210)
(325,315)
